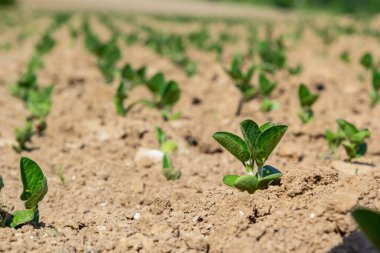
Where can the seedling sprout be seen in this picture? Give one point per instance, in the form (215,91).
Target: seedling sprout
(258,144)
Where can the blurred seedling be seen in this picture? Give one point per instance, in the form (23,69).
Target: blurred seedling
(171,45)
(107,59)
(367,61)
(375,92)
(258,144)
(73,34)
(352,139)
(39,105)
(28,80)
(242,82)
(334,140)
(45,44)
(307,99)
(167,147)
(369,64)
(24,136)
(272,54)
(369,223)
(132,38)
(130,78)
(266,88)
(34,190)
(108,53)
(295,70)
(165,94)
(345,57)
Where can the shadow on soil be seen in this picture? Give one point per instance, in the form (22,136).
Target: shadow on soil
(354,243)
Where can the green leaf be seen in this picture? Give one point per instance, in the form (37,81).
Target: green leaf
(234,144)
(34,183)
(266,86)
(171,93)
(166,162)
(157,83)
(375,79)
(350,150)
(348,128)
(1,183)
(266,175)
(360,136)
(247,183)
(127,72)
(329,135)
(267,141)
(235,68)
(230,180)
(306,98)
(366,61)
(169,146)
(267,125)
(22,217)
(248,76)
(361,150)
(251,132)
(369,223)
(160,136)
(268,105)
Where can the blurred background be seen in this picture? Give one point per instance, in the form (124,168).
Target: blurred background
(341,6)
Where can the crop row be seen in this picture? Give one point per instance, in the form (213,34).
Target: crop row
(267,56)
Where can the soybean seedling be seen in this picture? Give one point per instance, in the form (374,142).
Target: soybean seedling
(369,222)
(39,104)
(306,99)
(23,136)
(28,80)
(258,144)
(46,44)
(167,147)
(130,78)
(334,140)
(165,95)
(375,93)
(345,56)
(368,63)
(266,88)
(272,54)
(107,59)
(352,139)
(34,190)
(242,82)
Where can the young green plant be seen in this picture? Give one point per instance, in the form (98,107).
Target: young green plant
(266,88)
(252,152)
(307,99)
(130,78)
(242,82)
(23,136)
(167,147)
(352,139)
(39,105)
(165,95)
(369,64)
(34,190)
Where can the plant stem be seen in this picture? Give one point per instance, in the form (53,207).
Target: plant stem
(240,107)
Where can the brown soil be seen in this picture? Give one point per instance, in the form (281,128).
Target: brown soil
(114,202)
